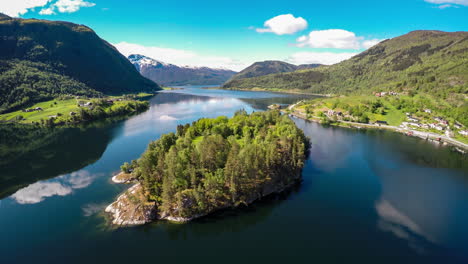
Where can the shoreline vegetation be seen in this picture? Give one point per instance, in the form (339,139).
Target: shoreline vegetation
(399,113)
(282,91)
(71,110)
(210,165)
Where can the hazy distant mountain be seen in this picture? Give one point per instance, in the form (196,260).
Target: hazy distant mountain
(269,67)
(170,74)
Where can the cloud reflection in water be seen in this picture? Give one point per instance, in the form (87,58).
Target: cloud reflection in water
(60,186)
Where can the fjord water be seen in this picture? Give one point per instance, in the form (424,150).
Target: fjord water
(367,196)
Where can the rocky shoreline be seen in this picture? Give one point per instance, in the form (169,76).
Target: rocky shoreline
(126,211)
(123,177)
(132,208)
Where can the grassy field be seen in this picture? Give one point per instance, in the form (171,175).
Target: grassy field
(50,108)
(391,115)
(60,110)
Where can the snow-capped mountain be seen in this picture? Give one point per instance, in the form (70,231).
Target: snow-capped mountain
(170,74)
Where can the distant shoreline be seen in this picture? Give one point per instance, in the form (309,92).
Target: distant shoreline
(268,90)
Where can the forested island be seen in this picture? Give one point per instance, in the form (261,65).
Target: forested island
(210,165)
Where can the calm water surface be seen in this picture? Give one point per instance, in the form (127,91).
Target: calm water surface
(367,196)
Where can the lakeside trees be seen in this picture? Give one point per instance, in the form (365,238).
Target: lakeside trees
(221,162)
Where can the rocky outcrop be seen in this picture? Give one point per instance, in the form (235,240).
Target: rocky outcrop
(132,208)
(123,177)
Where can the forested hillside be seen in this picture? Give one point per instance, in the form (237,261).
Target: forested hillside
(268,67)
(431,62)
(41,59)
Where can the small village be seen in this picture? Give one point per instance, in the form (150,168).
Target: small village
(438,123)
(423,123)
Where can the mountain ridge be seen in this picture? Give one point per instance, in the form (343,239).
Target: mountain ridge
(171,74)
(420,61)
(261,68)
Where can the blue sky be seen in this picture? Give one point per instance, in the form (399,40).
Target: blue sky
(233,34)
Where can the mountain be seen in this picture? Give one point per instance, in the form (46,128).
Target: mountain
(170,74)
(432,62)
(269,67)
(41,59)
(307,66)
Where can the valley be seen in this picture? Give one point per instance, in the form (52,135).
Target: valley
(308,132)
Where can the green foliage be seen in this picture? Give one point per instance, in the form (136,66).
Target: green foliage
(40,60)
(126,167)
(221,162)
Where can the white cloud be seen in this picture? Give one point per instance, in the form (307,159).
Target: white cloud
(47,11)
(65,6)
(284,24)
(326,58)
(16,8)
(447,6)
(180,57)
(456,2)
(70,6)
(335,39)
(330,38)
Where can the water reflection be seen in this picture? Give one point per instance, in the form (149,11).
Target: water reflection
(365,195)
(331,148)
(60,186)
(29,154)
(435,200)
(93,208)
(420,189)
(402,226)
(168,109)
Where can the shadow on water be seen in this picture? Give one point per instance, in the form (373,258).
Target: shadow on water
(29,154)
